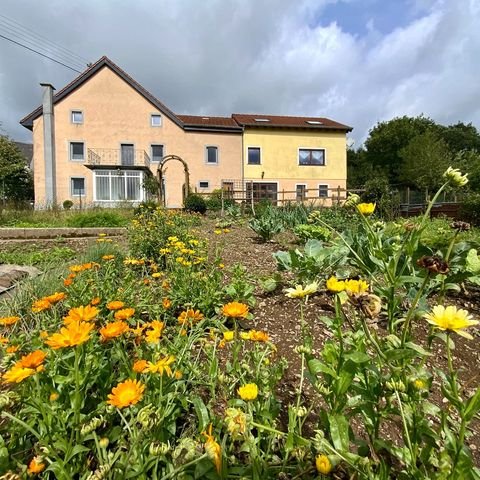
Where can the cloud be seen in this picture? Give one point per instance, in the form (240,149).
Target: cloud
(268,56)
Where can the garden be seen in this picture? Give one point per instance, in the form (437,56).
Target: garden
(297,344)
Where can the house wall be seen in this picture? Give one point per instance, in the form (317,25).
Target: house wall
(279,160)
(115,113)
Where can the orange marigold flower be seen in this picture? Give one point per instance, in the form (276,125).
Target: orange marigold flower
(55,297)
(73,334)
(190,316)
(166,285)
(12,349)
(41,305)
(166,302)
(113,329)
(126,393)
(95,301)
(6,321)
(81,314)
(32,360)
(17,374)
(140,366)
(154,332)
(35,466)
(258,336)
(235,310)
(67,282)
(76,268)
(162,365)
(3,340)
(213,449)
(124,314)
(53,396)
(108,257)
(115,305)
(178,374)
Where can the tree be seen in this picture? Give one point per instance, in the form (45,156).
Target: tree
(425,159)
(387,139)
(16,183)
(359,170)
(460,137)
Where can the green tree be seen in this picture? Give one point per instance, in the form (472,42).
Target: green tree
(460,136)
(424,160)
(16,182)
(359,170)
(387,139)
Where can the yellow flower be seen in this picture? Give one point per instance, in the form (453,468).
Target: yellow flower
(248,392)
(356,286)
(32,360)
(235,310)
(236,421)
(166,285)
(257,336)
(335,285)
(124,314)
(299,291)
(451,319)
(55,297)
(115,305)
(113,330)
(455,177)
(6,321)
(3,340)
(178,374)
(41,305)
(35,466)
(366,208)
(108,257)
(190,316)
(140,366)
(81,314)
(95,301)
(228,335)
(166,303)
(162,365)
(324,466)
(126,393)
(420,384)
(17,374)
(53,396)
(12,349)
(157,275)
(73,334)
(154,332)
(217,232)
(213,449)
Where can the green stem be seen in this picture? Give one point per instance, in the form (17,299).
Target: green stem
(77,399)
(405,427)
(183,467)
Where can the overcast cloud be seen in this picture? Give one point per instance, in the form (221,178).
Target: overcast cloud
(355,61)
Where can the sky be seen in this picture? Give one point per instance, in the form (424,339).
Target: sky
(354,61)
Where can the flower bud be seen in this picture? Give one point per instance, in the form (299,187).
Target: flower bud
(455,177)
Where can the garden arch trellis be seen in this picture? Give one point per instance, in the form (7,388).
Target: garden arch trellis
(160,178)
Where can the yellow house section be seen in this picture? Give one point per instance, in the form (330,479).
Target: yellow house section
(279,162)
(114,114)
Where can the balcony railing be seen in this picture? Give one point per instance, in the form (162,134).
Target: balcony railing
(111,157)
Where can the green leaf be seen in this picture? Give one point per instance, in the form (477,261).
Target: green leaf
(473,406)
(77,449)
(202,413)
(316,366)
(472,261)
(339,431)
(358,357)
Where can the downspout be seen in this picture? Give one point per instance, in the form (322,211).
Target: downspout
(49,145)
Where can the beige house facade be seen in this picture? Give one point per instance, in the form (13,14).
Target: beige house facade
(110,136)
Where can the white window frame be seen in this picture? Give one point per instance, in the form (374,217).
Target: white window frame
(78,195)
(70,151)
(154,115)
(206,154)
(305,191)
(328,190)
(142,190)
(254,164)
(312,148)
(151,151)
(203,181)
(72,117)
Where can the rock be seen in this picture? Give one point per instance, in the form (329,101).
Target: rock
(12,274)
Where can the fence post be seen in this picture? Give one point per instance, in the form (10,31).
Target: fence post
(338,195)
(223,204)
(251,197)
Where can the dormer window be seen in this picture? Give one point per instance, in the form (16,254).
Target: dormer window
(261,119)
(155,120)
(77,116)
(314,122)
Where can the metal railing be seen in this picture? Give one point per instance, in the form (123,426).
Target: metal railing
(111,157)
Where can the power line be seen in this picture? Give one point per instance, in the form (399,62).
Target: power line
(36,45)
(30,32)
(39,53)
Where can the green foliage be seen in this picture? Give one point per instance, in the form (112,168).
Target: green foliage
(307,231)
(195,203)
(16,181)
(338,218)
(378,191)
(105,218)
(266,226)
(470,208)
(35,255)
(214,200)
(67,204)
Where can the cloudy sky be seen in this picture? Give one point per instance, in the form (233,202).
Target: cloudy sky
(355,61)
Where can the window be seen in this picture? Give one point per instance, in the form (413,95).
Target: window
(301,191)
(212,154)
(118,185)
(77,186)
(310,156)
(203,184)
(254,156)
(262,191)
(77,116)
(323,191)
(157,153)
(156,120)
(228,189)
(77,151)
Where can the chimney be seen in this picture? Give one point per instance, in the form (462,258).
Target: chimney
(49,145)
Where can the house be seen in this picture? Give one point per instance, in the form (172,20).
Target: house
(99,140)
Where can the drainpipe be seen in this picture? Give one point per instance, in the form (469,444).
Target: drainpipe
(49,145)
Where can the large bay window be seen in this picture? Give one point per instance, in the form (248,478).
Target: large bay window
(119,185)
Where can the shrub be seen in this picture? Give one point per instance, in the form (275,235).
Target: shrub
(214,201)
(470,209)
(266,226)
(67,204)
(97,219)
(195,203)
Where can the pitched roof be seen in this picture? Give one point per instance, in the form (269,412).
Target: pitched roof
(197,120)
(268,121)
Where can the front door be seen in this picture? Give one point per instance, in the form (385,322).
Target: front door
(127,154)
